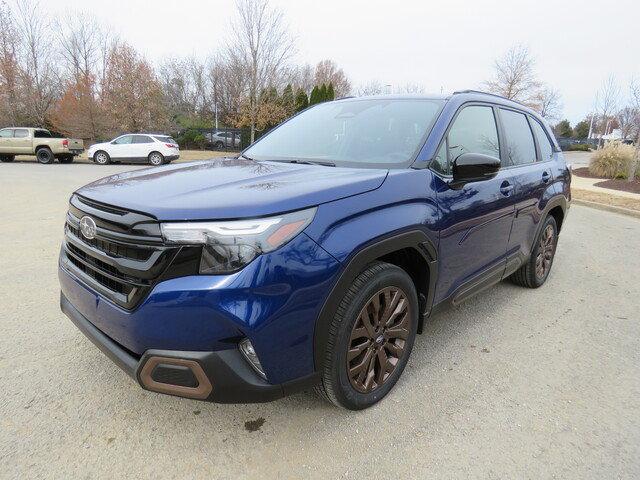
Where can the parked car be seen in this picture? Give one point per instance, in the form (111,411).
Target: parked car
(40,142)
(135,148)
(220,140)
(317,255)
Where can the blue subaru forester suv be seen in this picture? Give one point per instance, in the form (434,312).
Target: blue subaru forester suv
(314,258)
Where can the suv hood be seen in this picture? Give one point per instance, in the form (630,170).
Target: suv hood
(230,188)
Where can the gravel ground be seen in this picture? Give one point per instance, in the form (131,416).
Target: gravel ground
(514,383)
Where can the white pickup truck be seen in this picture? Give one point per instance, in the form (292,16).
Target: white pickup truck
(39,142)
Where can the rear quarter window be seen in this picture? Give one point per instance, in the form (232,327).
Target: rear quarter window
(520,147)
(546,150)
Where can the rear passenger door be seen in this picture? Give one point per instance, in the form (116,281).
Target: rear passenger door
(142,147)
(22,142)
(475,219)
(528,164)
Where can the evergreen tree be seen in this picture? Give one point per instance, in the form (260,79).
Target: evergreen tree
(581,130)
(331,93)
(315,96)
(287,99)
(563,129)
(302,101)
(322,93)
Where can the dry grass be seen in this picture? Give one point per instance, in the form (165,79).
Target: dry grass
(185,156)
(606,199)
(612,161)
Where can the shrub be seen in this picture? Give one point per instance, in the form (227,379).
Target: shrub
(578,147)
(612,160)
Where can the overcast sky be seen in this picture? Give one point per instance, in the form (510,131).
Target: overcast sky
(447,44)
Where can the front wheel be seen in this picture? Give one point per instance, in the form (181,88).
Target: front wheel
(7,158)
(101,158)
(156,158)
(534,273)
(370,338)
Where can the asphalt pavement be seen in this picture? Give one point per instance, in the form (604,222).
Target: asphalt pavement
(515,383)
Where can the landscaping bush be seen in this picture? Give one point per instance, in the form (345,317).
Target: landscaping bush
(612,160)
(191,139)
(578,147)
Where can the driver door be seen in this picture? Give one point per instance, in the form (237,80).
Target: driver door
(120,148)
(476,219)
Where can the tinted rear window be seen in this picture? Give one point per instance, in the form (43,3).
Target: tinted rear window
(41,134)
(165,139)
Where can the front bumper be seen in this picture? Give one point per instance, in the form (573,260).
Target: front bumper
(223,376)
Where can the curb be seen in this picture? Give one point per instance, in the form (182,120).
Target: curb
(606,208)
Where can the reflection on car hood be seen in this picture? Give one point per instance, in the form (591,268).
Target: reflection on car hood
(230,188)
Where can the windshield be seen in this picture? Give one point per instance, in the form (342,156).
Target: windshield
(381,133)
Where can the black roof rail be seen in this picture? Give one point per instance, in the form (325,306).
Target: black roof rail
(491,94)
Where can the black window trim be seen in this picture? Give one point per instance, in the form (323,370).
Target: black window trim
(445,137)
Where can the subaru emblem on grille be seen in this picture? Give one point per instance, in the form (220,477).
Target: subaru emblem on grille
(88,227)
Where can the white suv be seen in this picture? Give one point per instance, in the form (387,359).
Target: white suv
(135,148)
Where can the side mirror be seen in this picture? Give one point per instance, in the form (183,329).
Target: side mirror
(473,167)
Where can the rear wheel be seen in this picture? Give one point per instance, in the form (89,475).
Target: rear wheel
(218,145)
(370,337)
(101,158)
(44,155)
(7,158)
(156,158)
(66,159)
(534,273)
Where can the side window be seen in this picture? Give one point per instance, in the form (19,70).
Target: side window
(474,131)
(20,133)
(126,140)
(41,134)
(546,150)
(520,147)
(6,133)
(142,139)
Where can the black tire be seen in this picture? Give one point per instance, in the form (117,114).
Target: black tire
(156,159)
(101,158)
(44,156)
(529,275)
(7,158)
(336,385)
(218,145)
(66,159)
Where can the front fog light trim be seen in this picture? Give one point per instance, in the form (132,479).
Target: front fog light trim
(250,355)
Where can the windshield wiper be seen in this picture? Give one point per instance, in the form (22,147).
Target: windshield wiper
(308,162)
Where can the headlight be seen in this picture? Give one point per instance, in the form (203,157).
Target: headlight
(230,245)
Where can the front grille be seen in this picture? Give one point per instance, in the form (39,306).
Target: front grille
(127,257)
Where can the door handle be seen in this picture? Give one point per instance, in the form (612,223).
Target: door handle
(506,188)
(545,177)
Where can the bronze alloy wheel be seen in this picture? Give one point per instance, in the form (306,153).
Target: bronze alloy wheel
(545,251)
(378,339)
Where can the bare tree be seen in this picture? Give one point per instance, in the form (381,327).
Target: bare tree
(514,76)
(41,80)
(79,39)
(303,78)
(634,91)
(607,103)
(373,87)
(547,102)
(327,71)
(628,122)
(261,43)
(412,88)
(9,68)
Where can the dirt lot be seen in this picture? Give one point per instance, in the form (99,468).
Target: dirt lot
(513,384)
